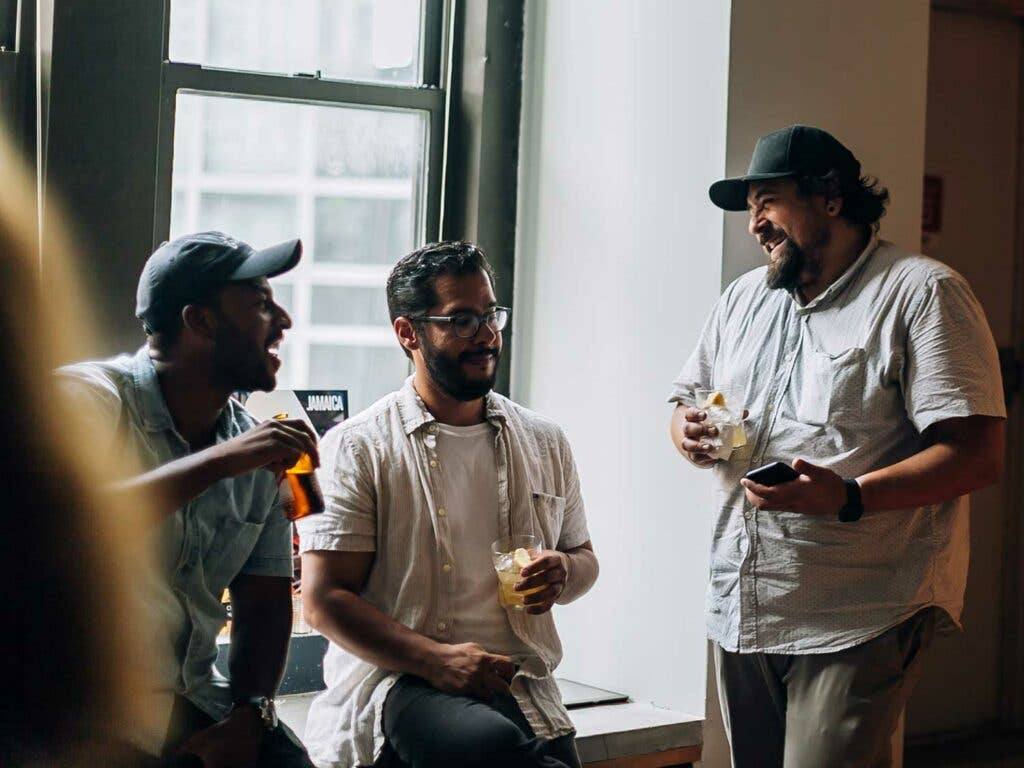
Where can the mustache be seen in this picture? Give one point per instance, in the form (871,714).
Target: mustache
(771,236)
(463,357)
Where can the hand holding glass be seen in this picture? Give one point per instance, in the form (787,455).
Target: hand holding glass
(725,410)
(510,554)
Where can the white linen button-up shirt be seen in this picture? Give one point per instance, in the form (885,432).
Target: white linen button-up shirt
(848,381)
(382,482)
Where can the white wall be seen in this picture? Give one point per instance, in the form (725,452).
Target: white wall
(618,263)
(856,69)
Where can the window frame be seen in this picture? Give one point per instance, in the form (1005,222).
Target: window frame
(309,88)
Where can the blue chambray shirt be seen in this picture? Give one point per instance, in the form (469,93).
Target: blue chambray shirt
(236,526)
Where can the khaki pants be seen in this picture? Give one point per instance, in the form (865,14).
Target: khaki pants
(821,710)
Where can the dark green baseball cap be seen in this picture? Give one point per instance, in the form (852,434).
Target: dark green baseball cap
(189,268)
(794,151)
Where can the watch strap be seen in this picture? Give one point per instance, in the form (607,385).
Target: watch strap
(264,707)
(853,509)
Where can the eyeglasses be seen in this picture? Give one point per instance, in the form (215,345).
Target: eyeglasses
(466,324)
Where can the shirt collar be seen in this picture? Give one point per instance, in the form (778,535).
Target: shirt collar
(414,412)
(840,283)
(150,403)
(149,399)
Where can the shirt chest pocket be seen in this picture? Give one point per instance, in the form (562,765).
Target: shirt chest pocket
(832,386)
(548,511)
(229,551)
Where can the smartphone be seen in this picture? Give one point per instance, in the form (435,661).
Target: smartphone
(773,474)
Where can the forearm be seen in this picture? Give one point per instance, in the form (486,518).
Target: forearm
(581,573)
(351,622)
(940,472)
(172,485)
(260,632)
(676,428)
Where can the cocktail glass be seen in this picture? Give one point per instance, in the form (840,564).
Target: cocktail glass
(724,407)
(510,554)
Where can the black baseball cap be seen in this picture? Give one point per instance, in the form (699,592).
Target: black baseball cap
(792,151)
(190,268)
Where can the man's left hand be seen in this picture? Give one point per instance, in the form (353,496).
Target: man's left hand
(817,491)
(549,570)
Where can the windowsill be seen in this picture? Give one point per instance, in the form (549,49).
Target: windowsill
(603,732)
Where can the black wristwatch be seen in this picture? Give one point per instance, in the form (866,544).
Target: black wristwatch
(264,708)
(852,510)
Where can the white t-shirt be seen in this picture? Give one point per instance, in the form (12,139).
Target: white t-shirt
(471,503)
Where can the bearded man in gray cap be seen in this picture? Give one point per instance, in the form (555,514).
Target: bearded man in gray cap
(872,374)
(212,329)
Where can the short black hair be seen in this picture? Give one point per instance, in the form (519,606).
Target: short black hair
(864,199)
(410,286)
(167,332)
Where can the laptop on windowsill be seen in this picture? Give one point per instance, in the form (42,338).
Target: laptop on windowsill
(576,695)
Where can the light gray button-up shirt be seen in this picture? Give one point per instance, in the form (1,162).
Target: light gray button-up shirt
(236,526)
(849,381)
(383,484)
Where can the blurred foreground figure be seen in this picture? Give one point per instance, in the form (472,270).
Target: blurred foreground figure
(72,653)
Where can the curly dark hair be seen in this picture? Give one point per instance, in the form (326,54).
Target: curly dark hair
(864,199)
(410,286)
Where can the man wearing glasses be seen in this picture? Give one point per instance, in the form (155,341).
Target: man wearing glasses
(425,667)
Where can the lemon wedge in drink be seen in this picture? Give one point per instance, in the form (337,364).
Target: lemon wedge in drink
(715,398)
(521,558)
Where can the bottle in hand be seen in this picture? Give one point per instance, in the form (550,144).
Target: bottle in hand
(307,498)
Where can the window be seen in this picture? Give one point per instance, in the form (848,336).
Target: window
(321,119)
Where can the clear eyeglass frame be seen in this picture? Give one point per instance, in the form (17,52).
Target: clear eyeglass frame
(466,325)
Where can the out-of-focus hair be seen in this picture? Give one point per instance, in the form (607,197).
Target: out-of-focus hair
(72,661)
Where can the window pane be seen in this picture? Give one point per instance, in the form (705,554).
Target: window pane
(358,231)
(348,305)
(369,143)
(368,40)
(283,295)
(245,135)
(368,373)
(259,220)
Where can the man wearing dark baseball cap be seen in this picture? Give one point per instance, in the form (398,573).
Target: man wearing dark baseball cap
(871,375)
(212,329)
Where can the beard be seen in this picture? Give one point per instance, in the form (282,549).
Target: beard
(784,272)
(239,362)
(446,372)
(795,263)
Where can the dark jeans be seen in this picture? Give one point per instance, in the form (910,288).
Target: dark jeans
(425,728)
(281,748)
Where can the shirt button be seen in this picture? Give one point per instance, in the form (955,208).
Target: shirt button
(441,626)
(447,567)
(433,463)
(442,512)
(433,428)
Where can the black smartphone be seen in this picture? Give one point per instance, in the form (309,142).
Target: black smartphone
(775,473)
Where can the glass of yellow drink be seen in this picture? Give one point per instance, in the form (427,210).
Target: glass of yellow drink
(724,407)
(510,554)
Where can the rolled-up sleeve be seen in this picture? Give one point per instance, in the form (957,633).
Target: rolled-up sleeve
(272,554)
(349,521)
(574,522)
(952,367)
